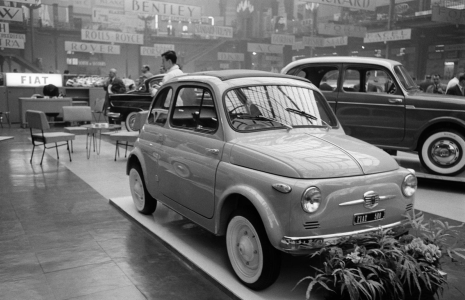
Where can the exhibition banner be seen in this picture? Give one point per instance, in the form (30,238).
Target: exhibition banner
(156,50)
(358,4)
(310,41)
(108,15)
(92,48)
(112,36)
(11,14)
(162,8)
(218,31)
(4,27)
(82,3)
(110,3)
(12,43)
(33,79)
(383,36)
(264,48)
(283,39)
(341,30)
(448,15)
(336,41)
(230,56)
(26,1)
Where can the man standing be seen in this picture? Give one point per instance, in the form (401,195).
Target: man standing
(425,83)
(459,89)
(453,82)
(111,85)
(169,60)
(437,87)
(145,74)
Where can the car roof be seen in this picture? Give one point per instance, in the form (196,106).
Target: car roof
(225,75)
(343,59)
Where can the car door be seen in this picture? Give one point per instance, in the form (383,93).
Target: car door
(192,150)
(370,105)
(323,76)
(152,136)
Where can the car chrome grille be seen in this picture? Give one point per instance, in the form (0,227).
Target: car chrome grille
(409,207)
(311,225)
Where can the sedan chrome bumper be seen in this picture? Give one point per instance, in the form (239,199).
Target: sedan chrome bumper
(309,244)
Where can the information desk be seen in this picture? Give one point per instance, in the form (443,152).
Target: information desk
(42,104)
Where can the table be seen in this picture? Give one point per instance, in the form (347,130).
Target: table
(42,104)
(95,131)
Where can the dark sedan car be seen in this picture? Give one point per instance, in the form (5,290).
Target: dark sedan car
(377,101)
(124,107)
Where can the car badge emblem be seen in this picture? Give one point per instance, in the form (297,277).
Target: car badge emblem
(371,199)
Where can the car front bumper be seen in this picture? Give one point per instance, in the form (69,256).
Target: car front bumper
(310,244)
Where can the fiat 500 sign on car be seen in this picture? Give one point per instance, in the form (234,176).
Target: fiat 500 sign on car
(261,158)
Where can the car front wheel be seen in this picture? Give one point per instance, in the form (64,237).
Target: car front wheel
(254,260)
(442,152)
(143,201)
(131,121)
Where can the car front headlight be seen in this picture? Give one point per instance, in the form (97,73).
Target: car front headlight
(311,199)
(409,186)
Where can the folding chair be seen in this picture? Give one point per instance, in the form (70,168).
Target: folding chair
(77,114)
(98,108)
(124,138)
(38,120)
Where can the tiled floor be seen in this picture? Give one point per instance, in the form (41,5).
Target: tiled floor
(60,239)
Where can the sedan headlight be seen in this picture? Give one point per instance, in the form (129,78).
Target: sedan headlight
(311,199)
(409,186)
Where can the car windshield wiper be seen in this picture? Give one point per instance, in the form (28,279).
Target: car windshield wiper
(308,116)
(263,118)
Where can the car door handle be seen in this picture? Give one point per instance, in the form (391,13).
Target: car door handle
(395,100)
(213,151)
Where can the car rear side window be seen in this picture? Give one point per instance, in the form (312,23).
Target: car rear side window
(324,77)
(159,110)
(194,109)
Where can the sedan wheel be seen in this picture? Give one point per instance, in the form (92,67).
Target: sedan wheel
(254,260)
(143,201)
(131,121)
(442,152)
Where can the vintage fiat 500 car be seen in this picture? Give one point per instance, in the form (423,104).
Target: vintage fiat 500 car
(261,158)
(377,101)
(124,107)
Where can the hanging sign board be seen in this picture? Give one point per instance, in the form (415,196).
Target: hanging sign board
(112,36)
(217,31)
(341,30)
(454,47)
(4,27)
(359,4)
(283,39)
(92,48)
(156,50)
(110,3)
(264,48)
(12,40)
(108,15)
(336,41)
(229,56)
(448,15)
(312,41)
(162,8)
(26,1)
(33,79)
(11,14)
(383,36)
(82,3)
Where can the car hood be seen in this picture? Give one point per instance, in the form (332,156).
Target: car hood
(310,155)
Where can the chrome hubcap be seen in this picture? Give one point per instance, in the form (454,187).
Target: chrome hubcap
(445,152)
(137,190)
(247,248)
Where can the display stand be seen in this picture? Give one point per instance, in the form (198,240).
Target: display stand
(42,104)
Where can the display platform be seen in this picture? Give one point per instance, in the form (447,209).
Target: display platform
(4,138)
(207,253)
(412,161)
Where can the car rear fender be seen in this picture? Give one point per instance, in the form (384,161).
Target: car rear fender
(438,123)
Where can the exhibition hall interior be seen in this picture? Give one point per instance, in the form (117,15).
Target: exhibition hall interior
(232,149)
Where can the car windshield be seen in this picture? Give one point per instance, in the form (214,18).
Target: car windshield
(276,106)
(405,79)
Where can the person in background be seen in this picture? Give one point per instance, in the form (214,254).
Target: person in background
(453,82)
(109,86)
(169,60)
(145,74)
(436,87)
(459,88)
(425,83)
(15,71)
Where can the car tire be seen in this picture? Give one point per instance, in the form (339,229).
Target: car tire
(131,121)
(254,260)
(442,152)
(142,199)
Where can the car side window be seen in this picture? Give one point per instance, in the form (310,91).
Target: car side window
(194,109)
(324,77)
(370,80)
(159,110)
(351,80)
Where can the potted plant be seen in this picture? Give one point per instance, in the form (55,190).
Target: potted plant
(380,265)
